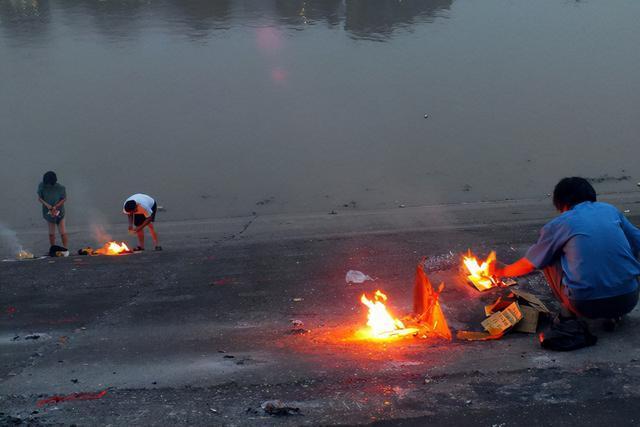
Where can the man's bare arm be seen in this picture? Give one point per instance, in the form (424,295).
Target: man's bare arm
(521,267)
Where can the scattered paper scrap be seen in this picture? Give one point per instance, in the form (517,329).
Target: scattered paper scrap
(476,336)
(73,396)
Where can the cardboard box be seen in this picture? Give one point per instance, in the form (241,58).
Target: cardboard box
(529,322)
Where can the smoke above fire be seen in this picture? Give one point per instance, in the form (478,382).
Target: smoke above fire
(9,242)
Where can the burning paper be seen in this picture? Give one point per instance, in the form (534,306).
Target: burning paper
(481,273)
(113,248)
(426,306)
(24,255)
(380,322)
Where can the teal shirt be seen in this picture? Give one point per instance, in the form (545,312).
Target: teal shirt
(52,194)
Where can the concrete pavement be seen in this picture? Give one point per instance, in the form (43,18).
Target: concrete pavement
(199,334)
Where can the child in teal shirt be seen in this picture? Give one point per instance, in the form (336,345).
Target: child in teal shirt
(52,196)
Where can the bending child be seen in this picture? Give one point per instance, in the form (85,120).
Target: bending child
(52,196)
(141,211)
(588,255)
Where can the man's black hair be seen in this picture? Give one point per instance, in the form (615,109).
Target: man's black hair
(571,191)
(130,206)
(50,178)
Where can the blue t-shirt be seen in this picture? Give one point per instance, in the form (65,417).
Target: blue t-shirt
(597,247)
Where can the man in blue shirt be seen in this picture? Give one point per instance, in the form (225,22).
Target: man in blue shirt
(588,254)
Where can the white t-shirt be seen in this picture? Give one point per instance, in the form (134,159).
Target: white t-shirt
(144,202)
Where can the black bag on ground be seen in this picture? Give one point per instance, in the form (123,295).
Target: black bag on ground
(54,249)
(566,335)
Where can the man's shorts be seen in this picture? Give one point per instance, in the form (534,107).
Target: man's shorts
(138,219)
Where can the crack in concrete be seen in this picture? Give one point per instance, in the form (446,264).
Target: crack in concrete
(248,224)
(245,227)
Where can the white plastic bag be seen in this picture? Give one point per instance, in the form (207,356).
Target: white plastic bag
(355,276)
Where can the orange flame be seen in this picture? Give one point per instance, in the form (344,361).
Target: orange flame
(380,322)
(479,273)
(113,248)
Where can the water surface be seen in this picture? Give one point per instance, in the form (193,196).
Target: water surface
(228,107)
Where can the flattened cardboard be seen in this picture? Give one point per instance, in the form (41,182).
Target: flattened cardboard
(498,305)
(531,300)
(503,320)
(529,322)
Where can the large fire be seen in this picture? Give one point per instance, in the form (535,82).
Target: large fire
(480,273)
(380,322)
(113,248)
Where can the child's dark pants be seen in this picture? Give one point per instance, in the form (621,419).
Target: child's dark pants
(602,308)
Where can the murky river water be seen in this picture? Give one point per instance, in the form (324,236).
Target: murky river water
(225,107)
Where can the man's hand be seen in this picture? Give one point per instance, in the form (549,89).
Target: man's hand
(132,230)
(519,268)
(494,270)
(498,272)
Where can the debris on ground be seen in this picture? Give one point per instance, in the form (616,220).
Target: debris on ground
(355,276)
(297,328)
(298,331)
(278,408)
(440,262)
(519,311)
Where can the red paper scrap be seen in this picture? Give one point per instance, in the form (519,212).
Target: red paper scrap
(73,396)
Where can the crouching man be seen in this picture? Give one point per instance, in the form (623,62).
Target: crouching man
(141,211)
(588,255)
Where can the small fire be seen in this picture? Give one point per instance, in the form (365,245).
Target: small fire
(113,248)
(380,322)
(479,274)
